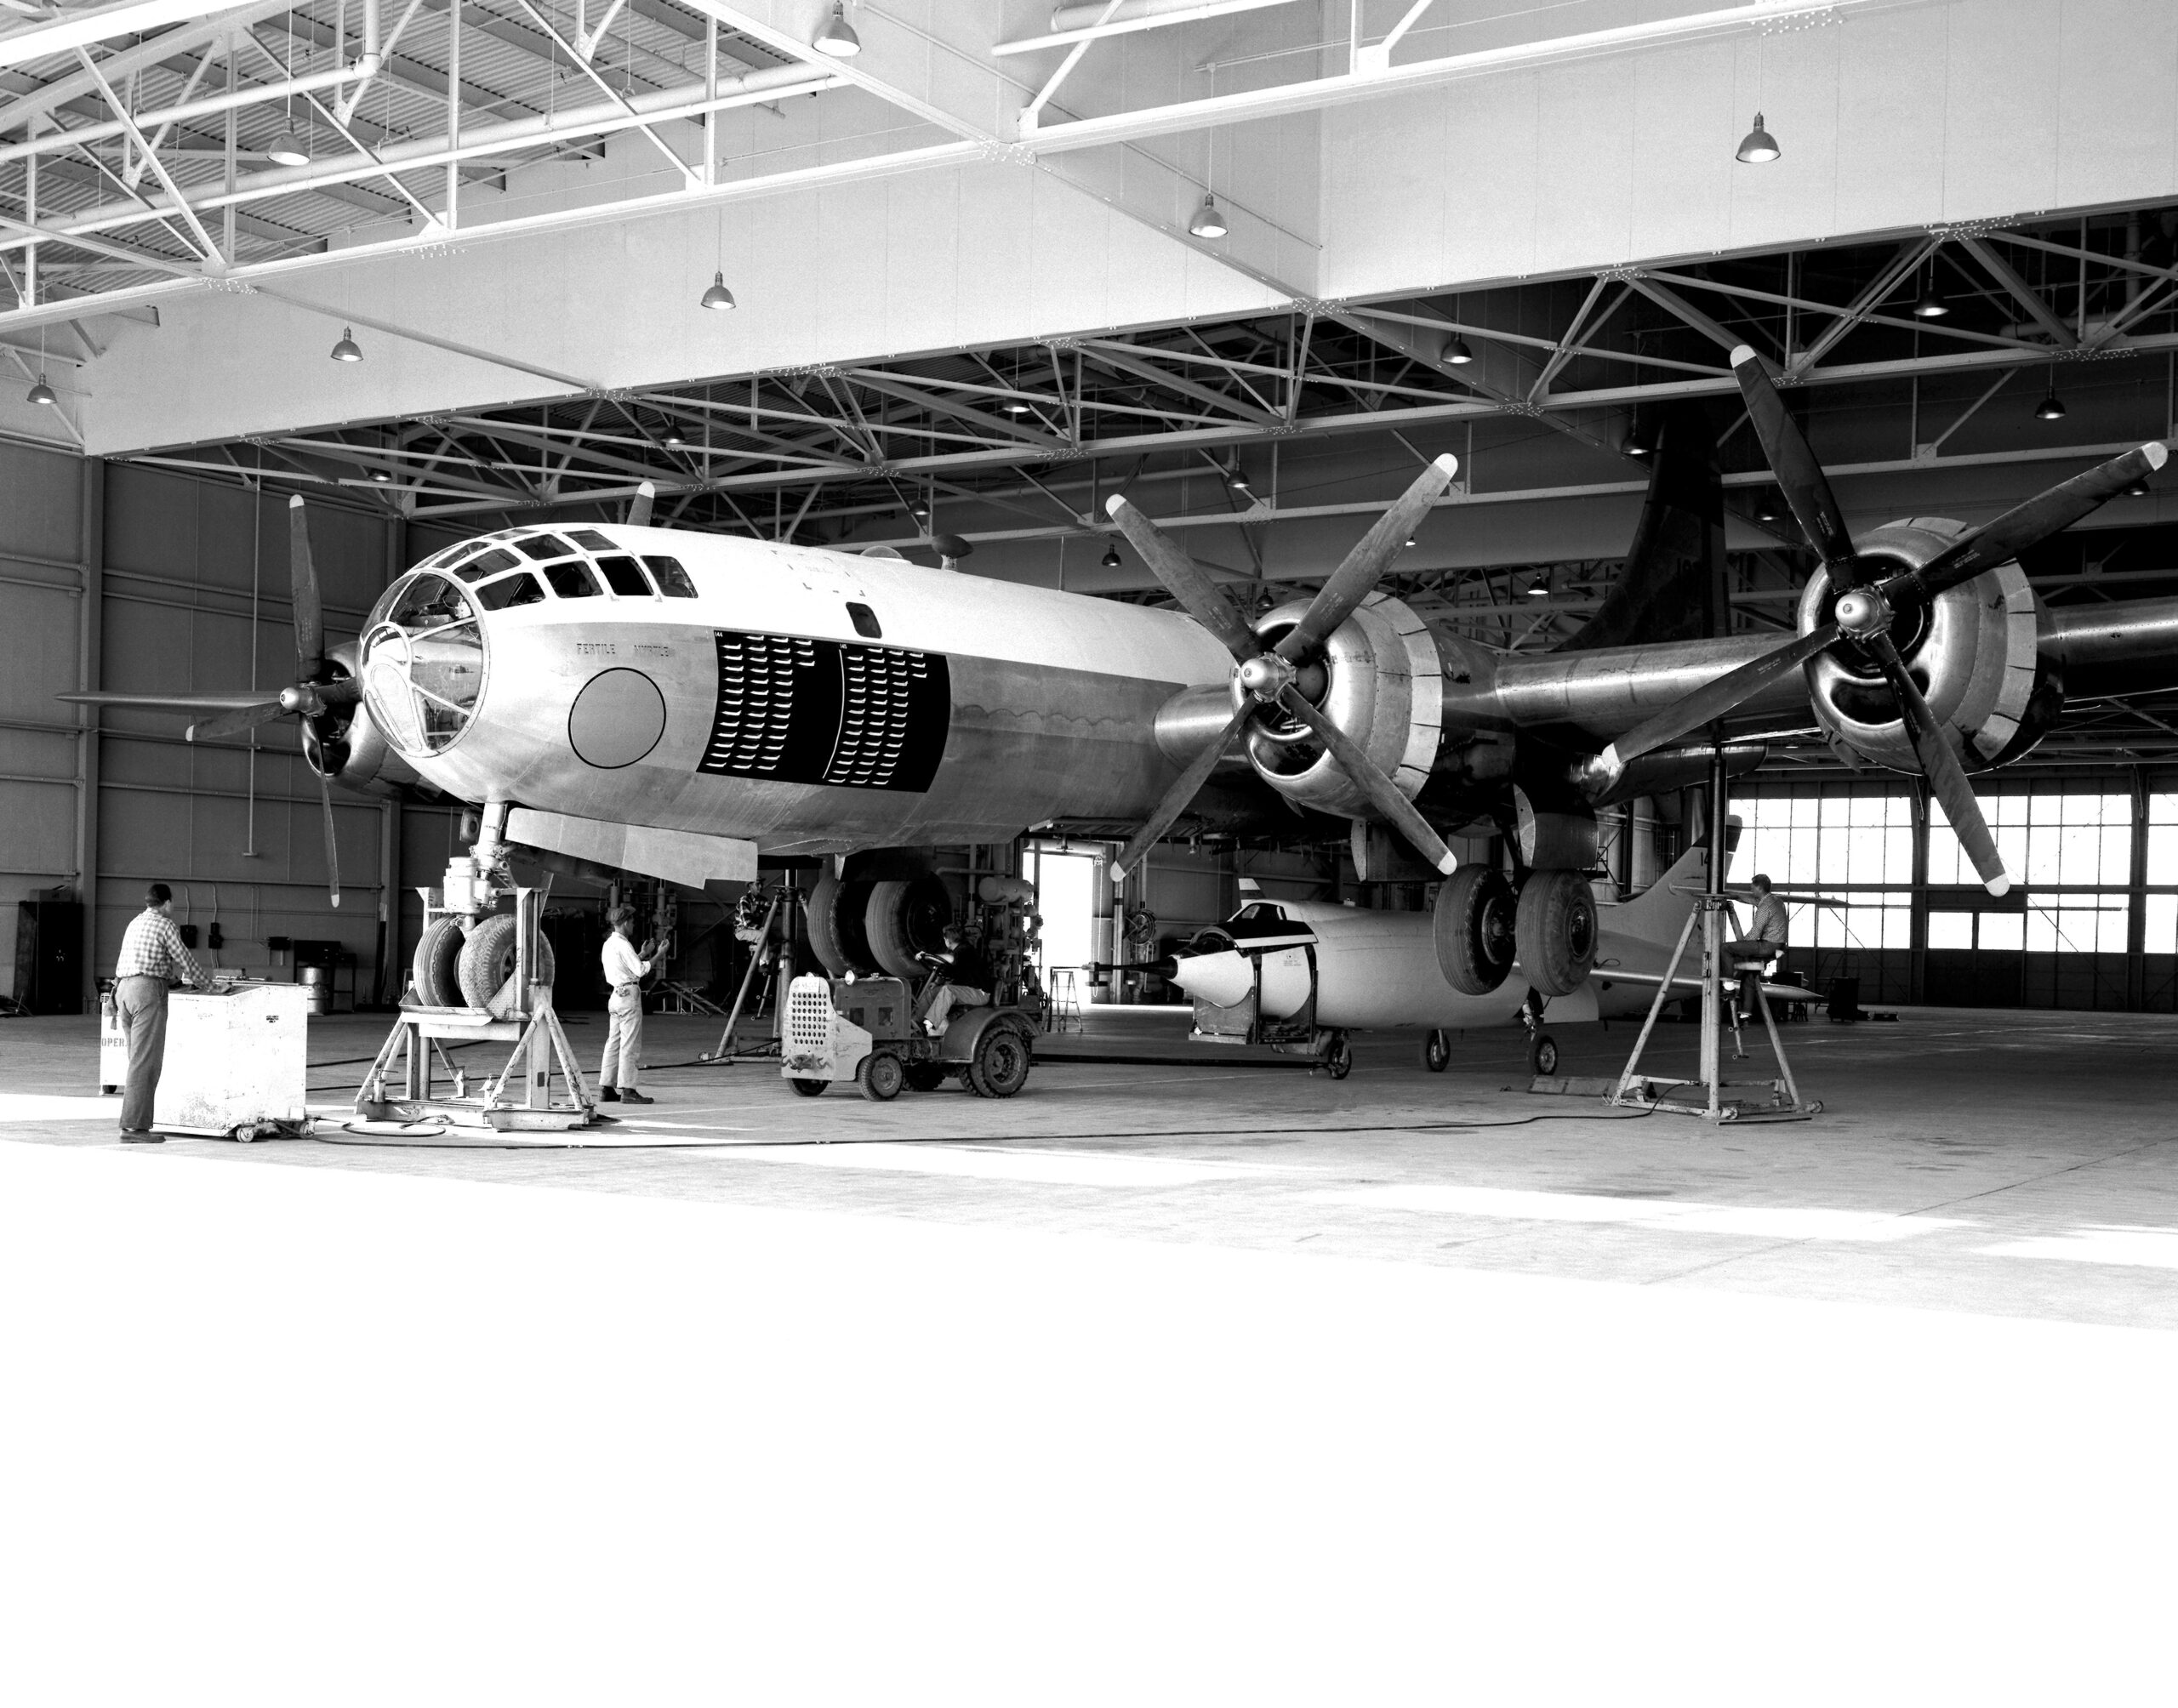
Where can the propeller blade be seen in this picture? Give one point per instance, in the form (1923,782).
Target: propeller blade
(1185,579)
(1383,794)
(332,841)
(235,722)
(1356,578)
(2026,525)
(639,507)
(1805,487)
(171,703)
(1940,764)
(1176,799)
(309,610)
(1705,705)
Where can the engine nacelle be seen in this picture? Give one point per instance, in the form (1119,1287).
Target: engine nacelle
(1380,680)
(1972,651)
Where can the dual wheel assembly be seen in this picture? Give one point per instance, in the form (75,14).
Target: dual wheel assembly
(459,964)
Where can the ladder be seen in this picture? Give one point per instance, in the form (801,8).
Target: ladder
(1064,1012)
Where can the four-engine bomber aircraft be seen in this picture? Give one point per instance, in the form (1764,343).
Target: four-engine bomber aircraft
(678,704)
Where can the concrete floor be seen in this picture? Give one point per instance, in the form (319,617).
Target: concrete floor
(2006,1163)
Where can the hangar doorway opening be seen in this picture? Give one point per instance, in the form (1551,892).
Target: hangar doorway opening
(1066,897)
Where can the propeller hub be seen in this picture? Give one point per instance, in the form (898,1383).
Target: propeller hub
(1863,613)
(1265,675)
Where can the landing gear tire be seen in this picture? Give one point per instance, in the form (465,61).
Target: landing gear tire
(1542,1056)
(809,1088)
(486,969)
(834,916)
(1475,924)
(904,917)
(1437,1050)
(881,1076)
(1001,1065)
(925,1076)
(1556,931)
(437,970)
(1338,1060)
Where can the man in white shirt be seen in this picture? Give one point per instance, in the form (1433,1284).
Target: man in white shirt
(1768,930)
(625,968)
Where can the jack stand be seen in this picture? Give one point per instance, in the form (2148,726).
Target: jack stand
(1637,1091)
(540,1046)
(780,914)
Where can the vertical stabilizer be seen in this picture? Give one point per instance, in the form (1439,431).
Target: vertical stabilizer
(1673,584)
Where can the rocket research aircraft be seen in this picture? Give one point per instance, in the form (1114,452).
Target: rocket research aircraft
(682,704)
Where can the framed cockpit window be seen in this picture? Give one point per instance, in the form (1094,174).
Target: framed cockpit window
(572,579)
(624,576)
(673,580)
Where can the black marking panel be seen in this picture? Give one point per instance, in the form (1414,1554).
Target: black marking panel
(792,710)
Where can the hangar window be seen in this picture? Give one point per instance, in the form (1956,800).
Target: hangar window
(624,576)
(542,546)
(864,620)
(590,540)
(511,590)
(491,563)
(1260,914)
(673,580)
(572,579)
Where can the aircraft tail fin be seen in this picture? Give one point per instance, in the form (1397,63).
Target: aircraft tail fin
(1673,587)
(1660,910)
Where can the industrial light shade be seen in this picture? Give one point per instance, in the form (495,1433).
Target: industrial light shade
(673,439)
(288,150)
(2051,408)
(1457,353)
(1238,480)
(1539,590)
(1208,222)
(918,510)
(1931,306)
(380,476)
(718,297)
(1016,408)
(2137,490)
(1110,560)
(40,393)
(1638,447)
(1768,510)
(347,349)
(838,38)
(1758,145)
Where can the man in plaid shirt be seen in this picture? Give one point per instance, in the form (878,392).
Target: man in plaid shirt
(152,958)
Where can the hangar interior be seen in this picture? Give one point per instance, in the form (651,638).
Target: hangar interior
(963,286)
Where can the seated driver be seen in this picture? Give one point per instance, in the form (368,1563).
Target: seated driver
(965,980)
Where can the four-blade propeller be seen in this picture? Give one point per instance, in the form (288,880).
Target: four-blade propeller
(314,693)
(1268,676)
(1867,609)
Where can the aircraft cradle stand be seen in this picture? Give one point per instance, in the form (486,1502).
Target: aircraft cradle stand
(1638,1090)
(519,1100)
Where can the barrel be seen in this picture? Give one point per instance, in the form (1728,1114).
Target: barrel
(318,981)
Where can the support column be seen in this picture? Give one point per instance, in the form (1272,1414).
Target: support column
(90,645)
(2136,899)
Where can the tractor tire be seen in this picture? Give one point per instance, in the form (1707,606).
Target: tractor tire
(1475,930)
(1001,1062)
(1556,931)
(881,1076)
(486,969)
(436,969)
(833,917)
(906,917)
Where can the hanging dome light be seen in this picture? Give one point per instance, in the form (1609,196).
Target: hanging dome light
(2051,408)
(347,349)
(673,439)
(381,477)
(1016,408)
(1237,479)
(287,149)
(41,393)
(838,38)
(718,297)
(1767,508)
(918,510)
(1110,560)
(1208,222)
(1931,306)
(2137,490)
(1457,353)
(1758,145)
(1636,446)
(1540,590)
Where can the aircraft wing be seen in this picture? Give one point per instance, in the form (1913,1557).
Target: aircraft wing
(1692,981)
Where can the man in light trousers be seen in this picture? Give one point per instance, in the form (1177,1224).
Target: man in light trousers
(625,968)
(152,958)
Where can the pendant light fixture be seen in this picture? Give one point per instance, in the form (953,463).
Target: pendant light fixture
(718,297)
(40,392)
(1758,147)
(1110,560)
(1208,222)
(381,477)
(2051,408)
(2137,490)
(1236,478)
(347,349)
(837,38)
(287,148)
(1931,306)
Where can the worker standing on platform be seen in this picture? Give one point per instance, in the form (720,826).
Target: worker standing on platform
(625,968)
(152,958)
